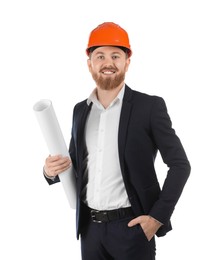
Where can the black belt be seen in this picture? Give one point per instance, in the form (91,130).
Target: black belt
(102,216)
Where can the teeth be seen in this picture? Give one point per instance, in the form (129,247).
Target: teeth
(108,72)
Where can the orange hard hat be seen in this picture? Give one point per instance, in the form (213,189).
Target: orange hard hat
(109,34)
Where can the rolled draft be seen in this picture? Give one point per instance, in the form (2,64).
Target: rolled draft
(54,139)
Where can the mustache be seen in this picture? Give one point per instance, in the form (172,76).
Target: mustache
(109,68)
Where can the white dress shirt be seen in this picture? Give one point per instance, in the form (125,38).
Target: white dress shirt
(104,188)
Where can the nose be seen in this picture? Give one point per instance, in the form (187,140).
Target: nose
(108,61)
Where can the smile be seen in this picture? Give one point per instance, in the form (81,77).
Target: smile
(108,72)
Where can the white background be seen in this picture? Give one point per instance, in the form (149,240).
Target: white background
(42,55)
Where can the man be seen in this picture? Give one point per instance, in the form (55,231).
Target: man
(116,134)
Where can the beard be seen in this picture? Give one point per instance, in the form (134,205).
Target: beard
(108,82)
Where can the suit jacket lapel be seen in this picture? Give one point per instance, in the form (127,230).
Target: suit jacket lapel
(122,135)
(81,127)
(81,147)
(123,125)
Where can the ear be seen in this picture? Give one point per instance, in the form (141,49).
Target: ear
(89,64)
(127,64)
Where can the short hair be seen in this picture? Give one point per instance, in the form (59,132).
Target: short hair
(126,50)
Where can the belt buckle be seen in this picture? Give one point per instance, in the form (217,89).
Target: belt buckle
(93,216)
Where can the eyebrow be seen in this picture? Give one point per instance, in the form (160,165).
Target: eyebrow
(101,52)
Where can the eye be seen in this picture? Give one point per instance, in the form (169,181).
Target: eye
(114,57)
(100,57)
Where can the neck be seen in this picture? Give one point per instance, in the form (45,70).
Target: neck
(105,97)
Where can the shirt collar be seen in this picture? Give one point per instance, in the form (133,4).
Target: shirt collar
(93,96)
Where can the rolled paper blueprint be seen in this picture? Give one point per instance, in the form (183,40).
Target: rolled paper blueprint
(53,136)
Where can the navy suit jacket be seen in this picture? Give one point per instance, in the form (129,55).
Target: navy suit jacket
(144,128)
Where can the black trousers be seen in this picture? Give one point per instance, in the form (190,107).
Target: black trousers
(115,240)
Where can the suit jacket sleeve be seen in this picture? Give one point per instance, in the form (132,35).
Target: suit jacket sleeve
(174,156)
(51,180)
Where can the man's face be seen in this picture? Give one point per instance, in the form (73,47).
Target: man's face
(108,66)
